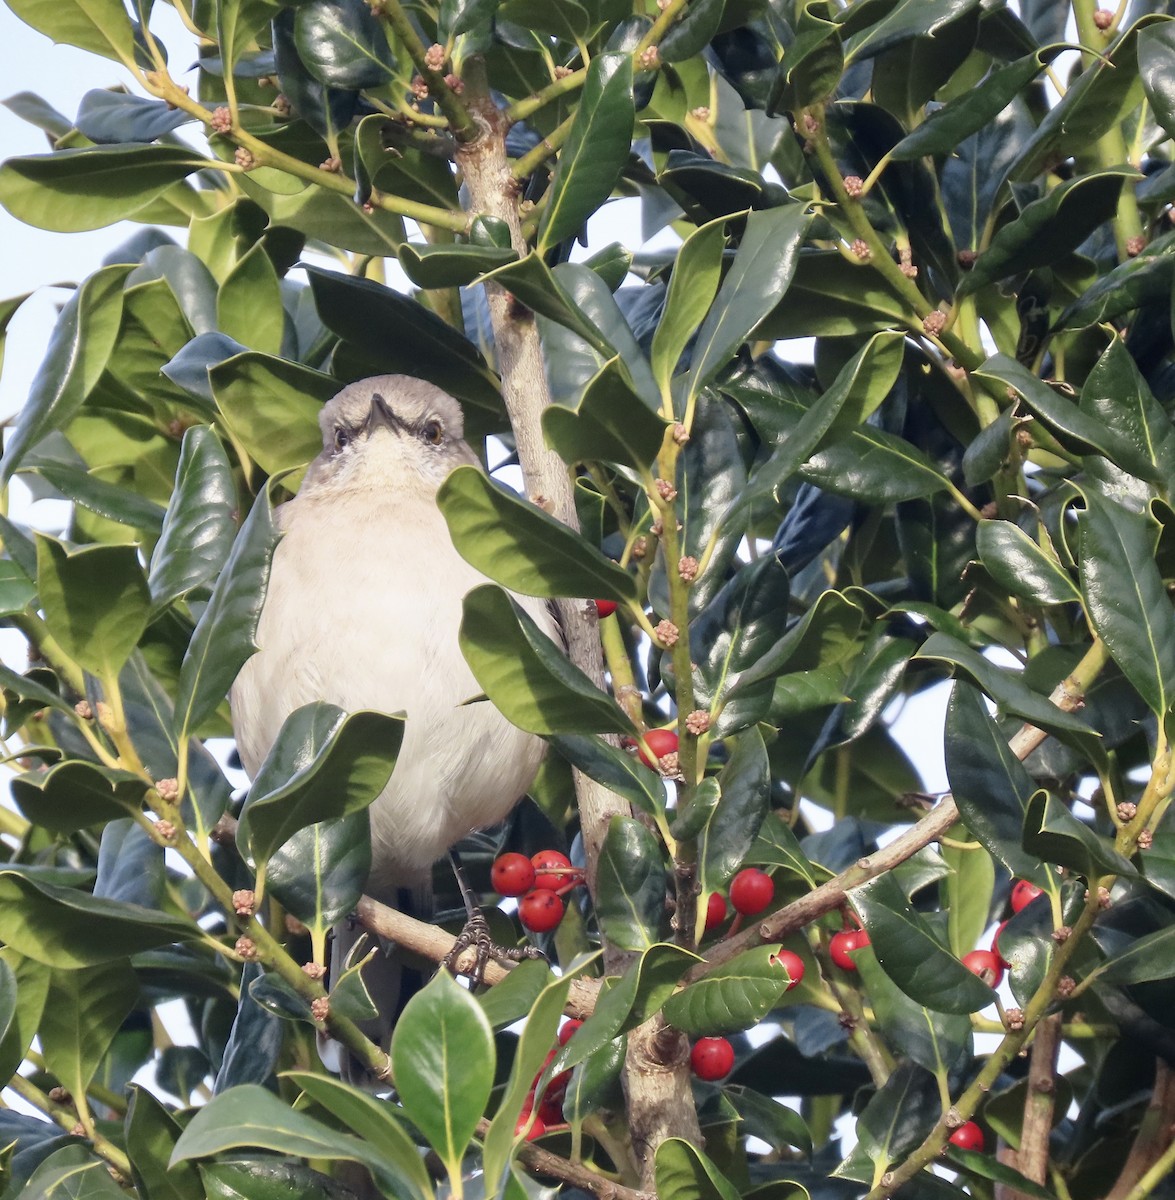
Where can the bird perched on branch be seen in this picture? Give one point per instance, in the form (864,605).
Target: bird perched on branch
(362,611)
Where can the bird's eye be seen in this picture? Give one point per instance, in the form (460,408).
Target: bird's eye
(433,433)
(342,437)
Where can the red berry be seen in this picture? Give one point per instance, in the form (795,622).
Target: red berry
(711,1057)
(552,869)
(568,1028)
(512,874)
(751,890)
(605,608)
(995,945)
(541,910)
(968,1137)
(656,743)
(550,1112)
(792,963)
(1023,894)
(985,964)
(715,910)
(537,1129)
(843,944)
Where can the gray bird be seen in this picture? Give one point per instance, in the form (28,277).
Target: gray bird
(362,611)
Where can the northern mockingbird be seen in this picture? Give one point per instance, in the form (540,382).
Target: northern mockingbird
(362,610)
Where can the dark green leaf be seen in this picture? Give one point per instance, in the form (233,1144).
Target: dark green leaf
(320,873)
(77,795)
(1149,958)
(1017,563)
(514,996)
(521,546)
(630,903)
(342,44)
(224,636)
(906,20)
(249,302)
(78,352)
(911,956)
(1126,598)
(814,62)
(151,1133)
(323,765)
(72,1173)
(759,276)
(1055,835)
(897,1118)
(199,527)
(685,1173)
(693,31)
(611,424)
(1133,284)
(617,771)
(1049,228)
(733,996)
(830,297)
(987,1166)
(595,151)
(446,265)
(745,784)
(525,676)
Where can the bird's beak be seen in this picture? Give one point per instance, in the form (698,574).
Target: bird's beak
(381,415)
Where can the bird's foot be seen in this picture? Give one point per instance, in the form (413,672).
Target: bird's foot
(477,934)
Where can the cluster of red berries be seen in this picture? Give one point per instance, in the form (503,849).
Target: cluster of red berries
(541,880)
(751,891)
(712,1057)
(991,964)
(550,1111)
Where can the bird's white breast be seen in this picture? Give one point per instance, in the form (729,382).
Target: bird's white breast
(362,611)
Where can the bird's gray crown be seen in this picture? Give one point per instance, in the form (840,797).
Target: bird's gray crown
(413,401)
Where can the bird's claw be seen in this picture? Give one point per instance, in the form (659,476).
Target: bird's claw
(477,934)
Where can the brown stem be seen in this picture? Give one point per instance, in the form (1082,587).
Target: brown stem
(653,1111)
(1154,1136)
(1032,1158)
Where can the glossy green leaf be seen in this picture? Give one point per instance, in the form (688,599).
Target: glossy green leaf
(906,20)
(99,26)
(64,927)
(73,190)
(595,1083)
(611,424)
(96,602)
(595,152)
(617,771)
(520,546)
(342,45)
(681,1170)
(16,588)
(320,872)
(323,765)
(567,21)
(932,1039)
(75,794)
(1126,599)
(1055,835)
(967,894)
(372,1120)
(989,783)
(909,954)
(249,304)
(106,499)
(446,265)
(443,1063)
(1149,958)
(387,161)
(533,283)
(237,24)
(874,467)
(78,351)
(1074,428)
(745,784)
(1133,284)
(527,1071)
(1007,689)
(1099,99)
(631,885)
(814,62)
(640,992)
(897,1118)
(24,984)
(1026,569)
(759,276)
(778,846)
(360,311)
(525,675)
(731,997)
(271,406)
(693,285)
(251,1116)
(1156,58)
(199,527)
(1116,394)
(462,16)
(151,1133)
(1049,228)
(692,33)
(945,127)
(514,996)
(72,1173)
(224,636)
(84,1009)
(987,1166)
